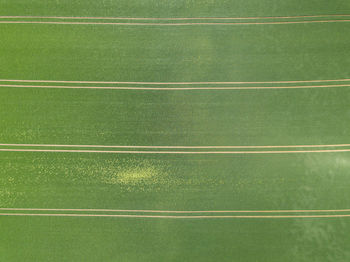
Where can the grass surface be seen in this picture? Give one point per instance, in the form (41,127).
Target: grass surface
(178,8)
(182,182)
(197,53)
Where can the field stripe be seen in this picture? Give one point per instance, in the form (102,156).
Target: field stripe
(177,212)
(176,88)
(173,24)
(173,83)
(177,152)
(173,18)
(175,217)
(174,147)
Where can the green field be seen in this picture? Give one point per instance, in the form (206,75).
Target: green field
(189,139)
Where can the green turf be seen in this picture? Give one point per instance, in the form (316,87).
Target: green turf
(258,182)
(197,53)
(173,8)
(95,239)
(194,118)
(223,117)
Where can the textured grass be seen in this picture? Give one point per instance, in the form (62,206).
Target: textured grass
(315,116)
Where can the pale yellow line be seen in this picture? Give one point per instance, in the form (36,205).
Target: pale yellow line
(171,83)
(175,211)
(172,18)
(174,217)
(177,152)
(176,88)
(170,24)
(174,147)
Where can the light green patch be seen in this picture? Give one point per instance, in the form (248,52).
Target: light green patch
(136,175)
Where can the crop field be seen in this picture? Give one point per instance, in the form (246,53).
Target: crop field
(174,130)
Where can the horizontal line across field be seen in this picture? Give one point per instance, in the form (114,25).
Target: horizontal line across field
(173,211)
(210,214)
(124,149)
(174,86)
(173,18)
(174,83)
(174,217)
(173,147)
(180,21)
